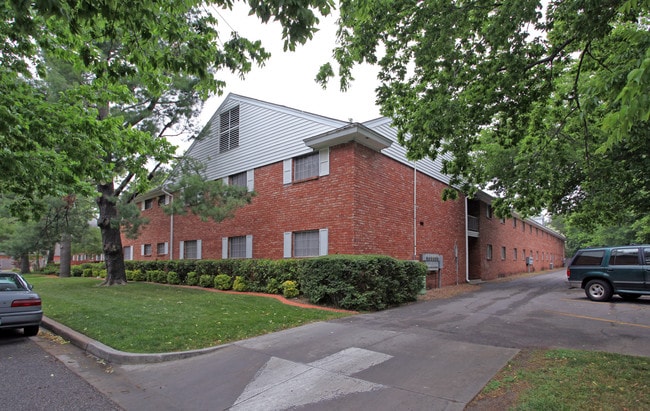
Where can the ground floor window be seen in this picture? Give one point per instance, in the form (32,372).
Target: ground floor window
(488,252)
(190,250)
(128,252)
(308,243)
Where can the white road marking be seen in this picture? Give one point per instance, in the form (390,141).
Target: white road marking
(282,384)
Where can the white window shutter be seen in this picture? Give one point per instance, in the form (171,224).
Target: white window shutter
(324,163)
(224,247)
(141,249)
(287,244)
(250,180)
(286,171)
(225,180)
(181,250)
(249,246)
(142,206)
(322,241)
(166,248)
(198,249)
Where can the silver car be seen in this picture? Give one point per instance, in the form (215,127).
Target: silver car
(20,307)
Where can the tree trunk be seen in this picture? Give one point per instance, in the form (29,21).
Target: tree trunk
(66,255)
(108,223)
(24,264)
(50,256)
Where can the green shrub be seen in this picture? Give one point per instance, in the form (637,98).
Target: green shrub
(157,276)
(206,281)
(222,282)
(173,278)
(76,271)
(87,272)
(192,278)
(273,286)
(99,273)
(240,284)
(50,269)
(139,275)
(365,283)
(290,289)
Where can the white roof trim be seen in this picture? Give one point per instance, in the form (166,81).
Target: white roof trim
(352,132)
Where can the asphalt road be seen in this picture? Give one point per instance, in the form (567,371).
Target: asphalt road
(434,355)
(32,379)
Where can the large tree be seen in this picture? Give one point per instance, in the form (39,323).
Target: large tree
(140,68)
(546,104)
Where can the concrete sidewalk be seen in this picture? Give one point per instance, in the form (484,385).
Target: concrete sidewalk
(320,366)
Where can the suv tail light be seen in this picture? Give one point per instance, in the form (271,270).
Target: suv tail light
(568,272)
(32,302)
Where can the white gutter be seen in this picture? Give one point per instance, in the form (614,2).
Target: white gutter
(171,225)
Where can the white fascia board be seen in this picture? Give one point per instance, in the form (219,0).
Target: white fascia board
(352,132)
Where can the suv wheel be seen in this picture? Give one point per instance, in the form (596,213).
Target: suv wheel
(598,290)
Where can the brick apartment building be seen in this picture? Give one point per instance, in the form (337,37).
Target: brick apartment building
(325,186)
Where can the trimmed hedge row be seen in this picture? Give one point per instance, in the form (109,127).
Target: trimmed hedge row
(361,283)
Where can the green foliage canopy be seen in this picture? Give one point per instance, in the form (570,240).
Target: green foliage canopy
(545,104)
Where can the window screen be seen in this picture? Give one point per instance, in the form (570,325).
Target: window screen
(306,167)
(237,247)
(190,250)
(305,243)
(161,248)
(238,179)
(146,250)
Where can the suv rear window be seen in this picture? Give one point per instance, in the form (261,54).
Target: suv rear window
(589,257)
(624,256)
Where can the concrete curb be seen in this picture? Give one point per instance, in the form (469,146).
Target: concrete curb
(114,356)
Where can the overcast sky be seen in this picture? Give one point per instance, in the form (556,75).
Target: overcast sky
(288,77)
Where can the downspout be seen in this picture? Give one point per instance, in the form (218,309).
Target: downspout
(466,244)
(415,211)
(171,225)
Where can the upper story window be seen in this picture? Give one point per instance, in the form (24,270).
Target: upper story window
(488,211)
(305,167)
(238,179)
(147,204)
(229,130)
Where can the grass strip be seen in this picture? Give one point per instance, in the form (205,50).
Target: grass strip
(149,318)
(561,379)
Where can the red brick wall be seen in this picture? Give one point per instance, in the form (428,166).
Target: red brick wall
(367,205)
(547,249)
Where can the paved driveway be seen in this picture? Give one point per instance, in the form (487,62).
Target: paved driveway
(433,355)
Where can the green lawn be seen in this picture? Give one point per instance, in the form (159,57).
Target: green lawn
(562,379)
(148,318)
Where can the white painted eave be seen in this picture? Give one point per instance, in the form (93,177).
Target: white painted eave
(351,132)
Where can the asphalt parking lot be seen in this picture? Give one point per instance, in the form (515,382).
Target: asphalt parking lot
(434,355)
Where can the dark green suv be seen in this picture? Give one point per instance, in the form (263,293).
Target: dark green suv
(605,271)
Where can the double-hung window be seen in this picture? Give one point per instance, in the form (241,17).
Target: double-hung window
(190,250)
(309,243)
(305,167)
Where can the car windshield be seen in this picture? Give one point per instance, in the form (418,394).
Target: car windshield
(10,282)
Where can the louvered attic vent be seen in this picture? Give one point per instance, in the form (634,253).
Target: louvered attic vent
(229,130)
